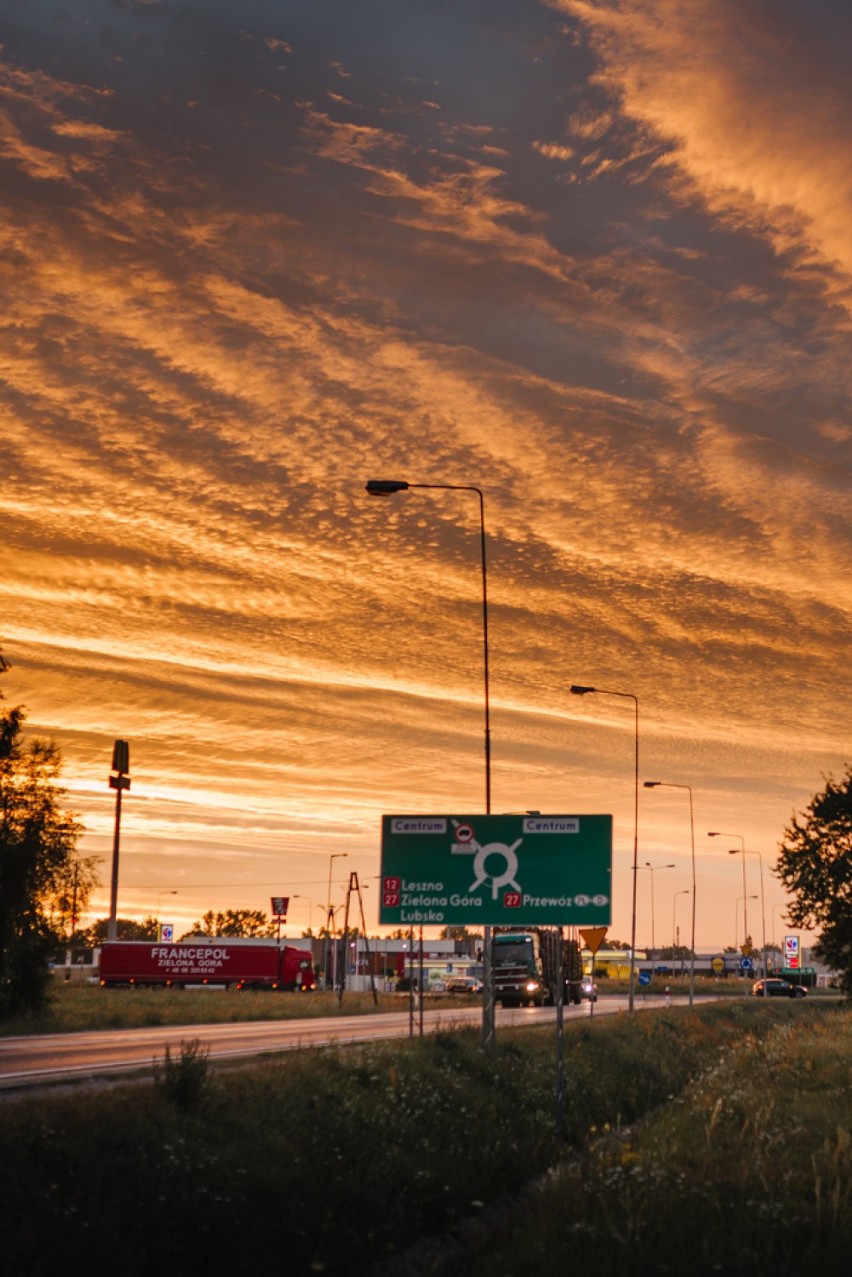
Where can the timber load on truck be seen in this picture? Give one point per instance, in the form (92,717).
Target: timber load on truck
(234,964)
(525,966)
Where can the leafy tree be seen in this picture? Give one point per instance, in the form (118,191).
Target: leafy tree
(815,866)
(234,922)
(75,883)
(125,929)
(37,850)
(459,933)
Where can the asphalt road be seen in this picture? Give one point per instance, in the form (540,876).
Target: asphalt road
(63,1057)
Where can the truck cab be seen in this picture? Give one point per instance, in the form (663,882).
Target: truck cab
(517,969)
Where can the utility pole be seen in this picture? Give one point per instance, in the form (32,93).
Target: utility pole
(355,886)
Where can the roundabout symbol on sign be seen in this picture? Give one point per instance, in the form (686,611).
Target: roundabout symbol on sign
(468,846)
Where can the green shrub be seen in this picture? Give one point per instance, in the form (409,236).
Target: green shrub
(184,1081)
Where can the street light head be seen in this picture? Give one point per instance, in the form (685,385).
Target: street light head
(385,487)
(733,851)
(579,690)
(652,784)
(714,833)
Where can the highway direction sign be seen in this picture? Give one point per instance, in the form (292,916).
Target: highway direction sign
(496,870)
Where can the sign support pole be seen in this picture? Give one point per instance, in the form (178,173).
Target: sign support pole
(560,1035)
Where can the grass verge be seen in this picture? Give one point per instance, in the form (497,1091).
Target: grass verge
(337,1162)
(76,1008)
(80,1006)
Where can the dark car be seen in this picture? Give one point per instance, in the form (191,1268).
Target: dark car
(777,988)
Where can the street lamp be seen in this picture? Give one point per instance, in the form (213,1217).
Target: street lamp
(670,784)
(296,896)
(329,916)
(737,913)
(578,689)
(387,488)
(160,895)
(718,833)
(651,869)
(749,852)
(684,892)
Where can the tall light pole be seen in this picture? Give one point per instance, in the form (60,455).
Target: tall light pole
(387,488)
(719,833)
(749,852)
(579,689)
(160,895)
(329,916)
(684,892)
(737,913)
(296,896)
(651,868)
(670,784)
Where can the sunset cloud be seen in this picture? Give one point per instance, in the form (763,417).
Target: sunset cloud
(589,257)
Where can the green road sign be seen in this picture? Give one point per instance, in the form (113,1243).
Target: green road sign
(496,870)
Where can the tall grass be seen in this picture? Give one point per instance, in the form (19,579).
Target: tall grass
(337,1161)
(81,1007)
(747,1172)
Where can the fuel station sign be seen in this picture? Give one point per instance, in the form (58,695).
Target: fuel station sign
(518,870)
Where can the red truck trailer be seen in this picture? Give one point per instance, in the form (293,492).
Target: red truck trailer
(235,964)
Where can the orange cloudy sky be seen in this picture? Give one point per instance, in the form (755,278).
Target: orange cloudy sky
(592,256)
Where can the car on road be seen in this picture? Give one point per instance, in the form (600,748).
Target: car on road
(777,988)
(463,984)
(589,990)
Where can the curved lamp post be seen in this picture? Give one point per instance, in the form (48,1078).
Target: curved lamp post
(749,852)
(388,488)
(297,896)
(720,833)
(651,868)
(172,892)
(578,689)
(329,922)
(684,892)
(670,784)
(753,896)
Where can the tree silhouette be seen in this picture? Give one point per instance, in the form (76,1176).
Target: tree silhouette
(37,852)
(815,865)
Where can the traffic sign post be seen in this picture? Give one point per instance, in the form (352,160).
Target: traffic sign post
(280,905)
(496,870)
(791,952)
